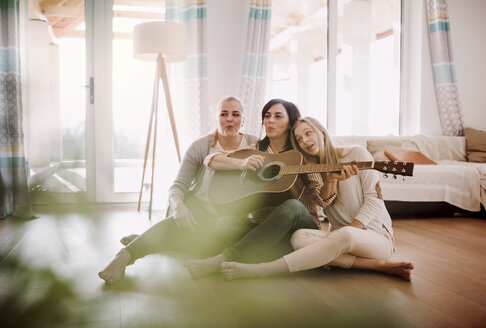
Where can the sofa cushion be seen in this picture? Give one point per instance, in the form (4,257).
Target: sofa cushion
(440,148)
(379,156)
(476,145)
(408,156)
(377,147)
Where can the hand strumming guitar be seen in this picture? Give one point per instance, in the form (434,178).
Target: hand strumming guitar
(254,162)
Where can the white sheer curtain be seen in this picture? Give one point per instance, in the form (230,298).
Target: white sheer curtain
(189,80)
(252,89)
(446,91)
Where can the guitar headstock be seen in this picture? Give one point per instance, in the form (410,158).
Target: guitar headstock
(396,168)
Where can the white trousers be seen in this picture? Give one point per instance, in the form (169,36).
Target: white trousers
(315,248)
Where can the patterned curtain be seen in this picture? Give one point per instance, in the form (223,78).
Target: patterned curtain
(14,196)
(252,89)
(189,80)
(446,92)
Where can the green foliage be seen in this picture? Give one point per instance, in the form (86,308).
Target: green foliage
(36,298)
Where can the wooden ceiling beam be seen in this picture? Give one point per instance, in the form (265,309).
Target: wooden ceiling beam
(73,10)
(55,20)
(47,3)
(35,11)
(65,15)
(64,12)
(69,24)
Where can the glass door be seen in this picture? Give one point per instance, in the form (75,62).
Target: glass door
(131,89)
(58,95)
(87,101)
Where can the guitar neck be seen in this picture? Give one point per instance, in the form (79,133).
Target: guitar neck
(316,168)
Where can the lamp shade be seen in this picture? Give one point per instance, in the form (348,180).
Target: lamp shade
(152,39)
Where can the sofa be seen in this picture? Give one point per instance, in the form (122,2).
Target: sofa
(449,181)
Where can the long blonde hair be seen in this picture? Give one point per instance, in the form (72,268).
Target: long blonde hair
(328,153)
(226,99)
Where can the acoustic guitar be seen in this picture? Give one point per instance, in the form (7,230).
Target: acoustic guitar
(242,192)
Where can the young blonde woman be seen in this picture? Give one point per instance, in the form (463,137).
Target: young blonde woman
(360,234)
(191,222)
(269,238)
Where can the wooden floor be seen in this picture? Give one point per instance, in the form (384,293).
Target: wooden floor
(48,274)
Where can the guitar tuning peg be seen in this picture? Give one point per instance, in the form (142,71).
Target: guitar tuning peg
(403,178)
(395,176)
(385,175)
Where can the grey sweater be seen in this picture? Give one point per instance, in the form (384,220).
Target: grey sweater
(191,170)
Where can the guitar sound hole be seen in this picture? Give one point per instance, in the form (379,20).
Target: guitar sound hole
(271,171)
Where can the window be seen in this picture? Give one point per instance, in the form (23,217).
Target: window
(298,55)
(362,90)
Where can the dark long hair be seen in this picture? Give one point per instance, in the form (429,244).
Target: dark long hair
(294,115)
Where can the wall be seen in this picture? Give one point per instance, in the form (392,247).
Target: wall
(468,27)
(467,35)
(227,22)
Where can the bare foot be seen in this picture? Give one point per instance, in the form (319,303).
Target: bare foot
(235,270)
(128,239)
(114,271)
(401,269)
(204,268)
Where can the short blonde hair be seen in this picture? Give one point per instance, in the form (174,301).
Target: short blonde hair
(226,99)
(230,98)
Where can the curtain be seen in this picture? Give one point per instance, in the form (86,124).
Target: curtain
(446,91)
(252,89)
(14,196)
(189,80)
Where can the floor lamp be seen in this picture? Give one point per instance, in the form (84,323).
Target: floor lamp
(160,42)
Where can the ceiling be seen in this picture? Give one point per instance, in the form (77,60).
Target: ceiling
(65,16)
(305,19)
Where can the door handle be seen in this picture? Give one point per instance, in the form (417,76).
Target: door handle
(91,89)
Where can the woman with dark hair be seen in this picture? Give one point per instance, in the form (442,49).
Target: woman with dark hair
(293,116)
(269,237)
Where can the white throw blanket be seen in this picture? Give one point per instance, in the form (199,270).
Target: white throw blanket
(454,183)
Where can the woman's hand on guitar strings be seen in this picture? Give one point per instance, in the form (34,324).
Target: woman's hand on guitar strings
(254,162)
